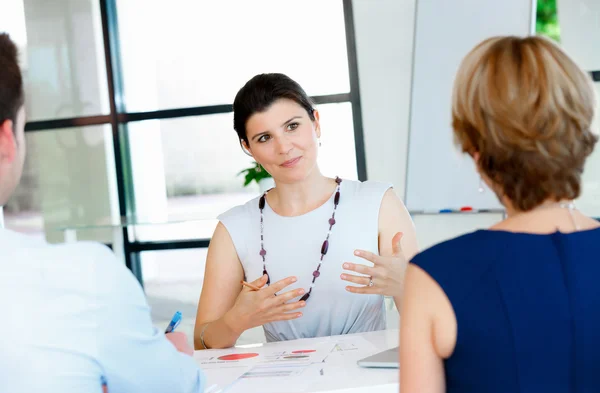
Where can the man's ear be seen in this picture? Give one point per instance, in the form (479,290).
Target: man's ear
(8,146)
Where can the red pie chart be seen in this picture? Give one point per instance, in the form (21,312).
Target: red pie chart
(305,351)
(237,356)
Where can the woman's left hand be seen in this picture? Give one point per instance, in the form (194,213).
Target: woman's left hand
(386,277)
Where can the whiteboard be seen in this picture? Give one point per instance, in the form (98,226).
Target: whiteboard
(579,22)
(439,176)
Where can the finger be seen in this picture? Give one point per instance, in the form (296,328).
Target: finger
(286,296)
(358,268)
(279,285)
(259,282)
(364,290)
(396,245)
(286,317)
(286,308)
(356,279)
(369,256)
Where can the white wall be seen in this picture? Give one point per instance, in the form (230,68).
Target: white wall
(384,42)
(580,29)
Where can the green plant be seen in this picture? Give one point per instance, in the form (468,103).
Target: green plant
(256,173)
(546,22)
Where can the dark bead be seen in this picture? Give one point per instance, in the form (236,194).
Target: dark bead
(305,297)
(338,180)
(263,252)
(316,273)
(325,247)
(337,198)
(261,202)
(332,221)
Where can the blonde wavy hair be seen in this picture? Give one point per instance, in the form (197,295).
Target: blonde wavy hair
(527,109)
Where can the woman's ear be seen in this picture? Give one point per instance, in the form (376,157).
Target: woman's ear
(476,156)
(317,123)
(246,148)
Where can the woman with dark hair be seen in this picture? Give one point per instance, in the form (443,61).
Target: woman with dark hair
(514,308)
(303,240)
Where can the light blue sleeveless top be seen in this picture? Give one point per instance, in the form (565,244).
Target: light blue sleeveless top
(293,247)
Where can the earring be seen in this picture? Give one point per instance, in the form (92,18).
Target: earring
(319,142)
(480,188)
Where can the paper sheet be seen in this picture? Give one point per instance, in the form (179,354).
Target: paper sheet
(281,353)
(353,344)
(219,380)
(272,379)
(290,366)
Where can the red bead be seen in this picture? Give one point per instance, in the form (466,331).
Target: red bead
(338,180)
(263,252)
(332,221)
(337,198)
(325,247)
(316,273)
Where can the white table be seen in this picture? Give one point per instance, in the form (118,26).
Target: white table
(341,374)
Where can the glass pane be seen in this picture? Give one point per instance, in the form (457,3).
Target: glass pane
(205,51)
(173,282)
(68,182)
(187,169)
(62,56)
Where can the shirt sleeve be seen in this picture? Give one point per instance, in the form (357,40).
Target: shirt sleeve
(134,356)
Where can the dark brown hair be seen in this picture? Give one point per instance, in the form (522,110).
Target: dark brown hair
(260,92)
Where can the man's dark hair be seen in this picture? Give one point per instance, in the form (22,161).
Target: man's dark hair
(12,95)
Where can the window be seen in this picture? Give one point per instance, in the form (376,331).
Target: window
(204,51)
(68,183)
(165,162)
(187,169)
(62,56)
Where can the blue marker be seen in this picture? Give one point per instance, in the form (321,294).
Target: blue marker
(446,211)
(175,321)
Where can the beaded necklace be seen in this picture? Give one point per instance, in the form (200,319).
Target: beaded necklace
(324,247)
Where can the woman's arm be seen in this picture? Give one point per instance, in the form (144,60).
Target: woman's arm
(226,309)
(394,218)
(427,334)
(220,289)
(397,243)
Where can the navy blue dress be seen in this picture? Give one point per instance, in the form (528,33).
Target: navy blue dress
(527,307)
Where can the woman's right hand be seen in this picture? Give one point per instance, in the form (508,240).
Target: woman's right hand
(255,308)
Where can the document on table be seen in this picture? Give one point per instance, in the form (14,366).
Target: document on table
(273,379)
(219,379)
(353,344)
(290,366)
(282,353)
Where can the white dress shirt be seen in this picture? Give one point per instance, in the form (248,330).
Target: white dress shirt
(73,316)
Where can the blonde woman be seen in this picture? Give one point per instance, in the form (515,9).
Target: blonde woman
(514,308)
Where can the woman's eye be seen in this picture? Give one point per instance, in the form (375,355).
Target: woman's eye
(292,126)
(263,138)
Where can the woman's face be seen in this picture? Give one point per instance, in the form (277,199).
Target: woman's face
(283,139)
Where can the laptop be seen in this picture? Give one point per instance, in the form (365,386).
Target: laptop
(385,359)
